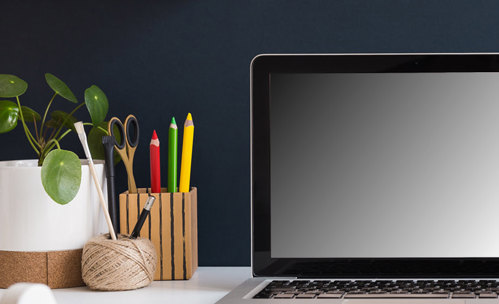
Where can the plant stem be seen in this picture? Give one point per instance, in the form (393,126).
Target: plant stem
(51,134)
(103,130)
(46,111)
(36,129)
(64,134)
(45,133)
(71,113)
(43,154)
(40,161)
(98,127)
(49,146)
(57,140)
(33,138)
(26,130)
(76,108)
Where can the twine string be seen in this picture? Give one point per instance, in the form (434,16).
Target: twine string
(123,264)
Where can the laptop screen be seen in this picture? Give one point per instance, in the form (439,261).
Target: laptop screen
(375,165)
(384,165)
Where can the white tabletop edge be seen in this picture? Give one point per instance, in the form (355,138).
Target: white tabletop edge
(208,285)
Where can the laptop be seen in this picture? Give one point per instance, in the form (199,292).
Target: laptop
(375,179)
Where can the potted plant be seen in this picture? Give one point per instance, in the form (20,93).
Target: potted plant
(49,203)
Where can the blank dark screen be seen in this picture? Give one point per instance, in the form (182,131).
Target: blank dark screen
(384,165)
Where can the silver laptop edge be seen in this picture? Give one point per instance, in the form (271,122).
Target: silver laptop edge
(244,293)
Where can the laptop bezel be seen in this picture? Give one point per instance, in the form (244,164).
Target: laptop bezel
(263,264)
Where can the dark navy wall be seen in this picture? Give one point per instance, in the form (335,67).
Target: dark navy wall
(159,59)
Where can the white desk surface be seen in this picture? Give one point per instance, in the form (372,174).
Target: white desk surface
(208,285)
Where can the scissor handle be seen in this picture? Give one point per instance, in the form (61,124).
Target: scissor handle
(133,140)
(110,128)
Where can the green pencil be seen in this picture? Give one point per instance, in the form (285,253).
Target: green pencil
(172,156)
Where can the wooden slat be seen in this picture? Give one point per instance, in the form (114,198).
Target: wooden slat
(156,234)
(194,221)
(123,214)
(188,235)
(178,236)
(133,213)
(166,236)
(144,232)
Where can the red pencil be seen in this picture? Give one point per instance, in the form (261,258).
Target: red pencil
(155,164)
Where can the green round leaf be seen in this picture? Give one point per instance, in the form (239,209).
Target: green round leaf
(61,175)
(29,114)
(60,87)
(8,115)
(12,86)
(95,142)
(97,105)
(61,118)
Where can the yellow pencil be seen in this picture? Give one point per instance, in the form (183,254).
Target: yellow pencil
(185,165)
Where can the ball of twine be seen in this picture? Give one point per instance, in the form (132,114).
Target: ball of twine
(123,264)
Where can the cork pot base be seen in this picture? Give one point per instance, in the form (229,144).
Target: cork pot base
(57,269)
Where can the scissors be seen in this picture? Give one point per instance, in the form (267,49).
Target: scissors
(128,144)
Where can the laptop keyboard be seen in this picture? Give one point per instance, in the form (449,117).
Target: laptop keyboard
(344,289)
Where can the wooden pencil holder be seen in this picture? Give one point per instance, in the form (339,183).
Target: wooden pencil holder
(171,226)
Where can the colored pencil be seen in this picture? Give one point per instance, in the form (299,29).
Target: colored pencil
(154,157)
(185,165)
(172,156)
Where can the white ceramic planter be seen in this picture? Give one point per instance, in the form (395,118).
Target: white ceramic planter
(31,221)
